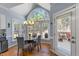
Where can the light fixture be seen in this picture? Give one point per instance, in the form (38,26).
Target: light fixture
(32,22)
(29,22)
(15,35)
(25,22)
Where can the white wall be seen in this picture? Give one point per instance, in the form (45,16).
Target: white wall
(2,21)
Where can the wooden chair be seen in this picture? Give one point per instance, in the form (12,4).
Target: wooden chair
(21,45)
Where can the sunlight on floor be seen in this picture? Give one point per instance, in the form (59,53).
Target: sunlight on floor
(65,45)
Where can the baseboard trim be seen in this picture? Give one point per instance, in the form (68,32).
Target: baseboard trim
(12,45)
(53,51)
(57,53)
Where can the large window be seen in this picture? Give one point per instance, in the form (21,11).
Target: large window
(37,21)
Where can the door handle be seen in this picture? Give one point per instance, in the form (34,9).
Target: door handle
(73,37)
(73,41)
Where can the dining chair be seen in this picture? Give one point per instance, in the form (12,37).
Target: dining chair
(34,43)
(38,42)
(21,45)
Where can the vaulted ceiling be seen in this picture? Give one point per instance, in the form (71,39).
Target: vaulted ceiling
(23,8)
(10,5)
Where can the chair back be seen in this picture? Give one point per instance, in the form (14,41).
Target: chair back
(39,38)
(20,42)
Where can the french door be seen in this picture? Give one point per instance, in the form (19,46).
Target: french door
(65,34)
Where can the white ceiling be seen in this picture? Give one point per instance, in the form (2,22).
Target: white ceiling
(10,5)
(45,5)
(23,8)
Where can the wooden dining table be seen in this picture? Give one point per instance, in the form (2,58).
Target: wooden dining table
(33,44)
(29,41)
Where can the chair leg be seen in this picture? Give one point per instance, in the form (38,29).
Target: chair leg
(40,45)
(1,54)
(23,52)
(18,52)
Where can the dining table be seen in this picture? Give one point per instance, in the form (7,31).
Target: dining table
(32,42)
(29,41)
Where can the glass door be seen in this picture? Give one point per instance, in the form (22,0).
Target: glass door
(65,33)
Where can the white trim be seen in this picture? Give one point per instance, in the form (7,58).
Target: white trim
(45,41)
(64,11)
(77,29)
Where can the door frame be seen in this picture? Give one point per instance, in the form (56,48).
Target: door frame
(62,12)
(77,29)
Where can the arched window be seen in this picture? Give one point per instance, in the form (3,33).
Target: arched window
(37,21)
(38,14)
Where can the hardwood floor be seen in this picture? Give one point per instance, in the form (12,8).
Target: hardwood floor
(44,51)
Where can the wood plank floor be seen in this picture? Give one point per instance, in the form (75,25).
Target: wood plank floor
(44,51)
